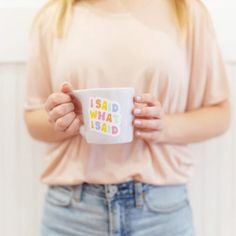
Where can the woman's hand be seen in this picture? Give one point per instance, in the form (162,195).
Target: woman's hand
(153,126)
(149,119)
(64,111)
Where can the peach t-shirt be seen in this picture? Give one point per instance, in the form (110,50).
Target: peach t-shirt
(139,48)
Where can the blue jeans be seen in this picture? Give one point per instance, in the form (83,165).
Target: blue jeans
(125,209)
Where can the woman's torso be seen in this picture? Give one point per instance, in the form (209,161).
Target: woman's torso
(141,49)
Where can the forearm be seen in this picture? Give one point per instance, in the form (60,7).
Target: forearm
(41,129)
(197,125)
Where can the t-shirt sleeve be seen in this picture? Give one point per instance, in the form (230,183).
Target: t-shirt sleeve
(38,80)
(208,84)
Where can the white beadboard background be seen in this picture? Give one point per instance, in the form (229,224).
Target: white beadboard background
(212,190)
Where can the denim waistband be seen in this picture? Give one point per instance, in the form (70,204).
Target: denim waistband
(126,188)
(130,189)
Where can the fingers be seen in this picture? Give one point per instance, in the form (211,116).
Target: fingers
(150,136)
(56,99)
(152,109)
(148,119)
(64,110)
(66,87)
(155,124)
(74,127)
(148,112)
(64,122)
(60,111)
(147,98)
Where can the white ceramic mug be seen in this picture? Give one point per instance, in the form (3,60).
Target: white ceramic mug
(107,114)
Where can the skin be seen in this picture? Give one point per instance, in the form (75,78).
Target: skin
(154,126)
(62,117)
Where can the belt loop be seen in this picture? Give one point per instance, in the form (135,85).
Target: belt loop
(77,192)
(138,194)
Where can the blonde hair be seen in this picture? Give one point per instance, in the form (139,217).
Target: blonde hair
(60,18)
(181,14)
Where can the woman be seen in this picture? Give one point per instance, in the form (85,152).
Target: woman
(167,51)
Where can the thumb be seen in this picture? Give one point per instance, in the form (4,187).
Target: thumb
(66,87)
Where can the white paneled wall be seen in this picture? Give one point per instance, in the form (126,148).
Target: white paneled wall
(21,159)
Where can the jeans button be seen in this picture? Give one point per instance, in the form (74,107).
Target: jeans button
(113,189)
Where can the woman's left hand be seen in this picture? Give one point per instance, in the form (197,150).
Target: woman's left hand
(149,119)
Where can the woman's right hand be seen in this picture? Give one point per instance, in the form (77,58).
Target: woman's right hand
(64,111)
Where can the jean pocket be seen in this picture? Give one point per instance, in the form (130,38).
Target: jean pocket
(59,195)
(166,199)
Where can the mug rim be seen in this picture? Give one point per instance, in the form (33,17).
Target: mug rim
(104,89)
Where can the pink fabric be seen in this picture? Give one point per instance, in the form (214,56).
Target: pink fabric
(140,48)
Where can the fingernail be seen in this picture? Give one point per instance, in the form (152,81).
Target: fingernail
(138,98)
(137,111)
(137,133)
(137,122)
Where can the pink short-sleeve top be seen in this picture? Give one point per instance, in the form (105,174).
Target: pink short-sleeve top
(140,47)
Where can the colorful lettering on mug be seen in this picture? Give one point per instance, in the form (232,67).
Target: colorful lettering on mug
(109,118)
(93,114)
(105,116)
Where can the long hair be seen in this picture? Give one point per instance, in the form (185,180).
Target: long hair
(180,12)
(62,12)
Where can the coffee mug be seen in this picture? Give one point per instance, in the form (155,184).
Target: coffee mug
(107,114)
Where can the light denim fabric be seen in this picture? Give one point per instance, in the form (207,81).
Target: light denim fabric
(125,209)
